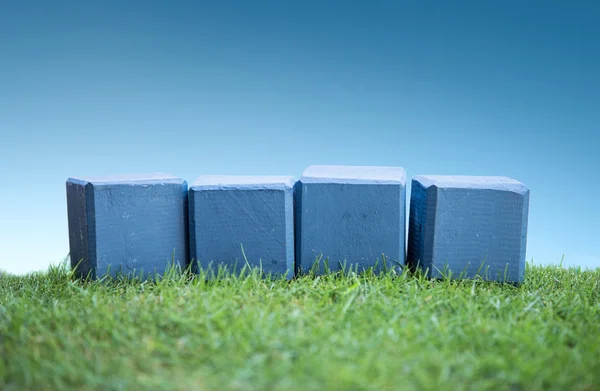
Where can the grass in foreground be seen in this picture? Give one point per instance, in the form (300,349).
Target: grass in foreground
(339,332)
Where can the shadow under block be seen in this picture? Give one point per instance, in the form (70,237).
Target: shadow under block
(243,220)
(470,226)
(134,225)
(350,217)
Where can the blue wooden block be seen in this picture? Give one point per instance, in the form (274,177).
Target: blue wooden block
(135,225)
(239,220)
(462,225)
(350,217)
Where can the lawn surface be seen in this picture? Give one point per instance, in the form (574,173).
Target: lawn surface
(393,332)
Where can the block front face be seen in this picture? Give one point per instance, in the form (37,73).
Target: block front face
(140,227)
(350,220)
(478,228)
(130,226)
(231,214)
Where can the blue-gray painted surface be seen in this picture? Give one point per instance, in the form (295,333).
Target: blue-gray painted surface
(253,213)
(469,226)
(297,225)
(350,216)
(135,225)
(82,227)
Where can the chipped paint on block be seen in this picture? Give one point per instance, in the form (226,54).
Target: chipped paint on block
(350,217)
(133,225)
(467,226)
(239,220)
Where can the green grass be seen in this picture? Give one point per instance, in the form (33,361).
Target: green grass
(338,332)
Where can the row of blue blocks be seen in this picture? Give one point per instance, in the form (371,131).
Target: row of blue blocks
(333,217)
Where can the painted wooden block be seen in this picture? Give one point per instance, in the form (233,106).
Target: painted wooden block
(239,220)
(350,217)
(133,225)
(467,226)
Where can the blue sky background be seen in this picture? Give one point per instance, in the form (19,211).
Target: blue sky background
(269,87)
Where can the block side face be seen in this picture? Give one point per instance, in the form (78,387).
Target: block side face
(184,262)
(260,221)
(141,229)
(80,217)
(354,175)
(298,268)
(419,208)
(193,255)
(351,225)
(76,182)
(479,232)
(421,180)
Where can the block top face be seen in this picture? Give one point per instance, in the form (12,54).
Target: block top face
(471,182)
(354,175)
(243,182)
(141,179)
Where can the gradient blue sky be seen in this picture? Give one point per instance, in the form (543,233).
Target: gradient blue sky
(269,87)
